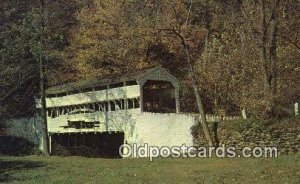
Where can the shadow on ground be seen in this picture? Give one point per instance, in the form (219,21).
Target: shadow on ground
(7,168)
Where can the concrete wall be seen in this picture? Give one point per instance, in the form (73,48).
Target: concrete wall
(151,128)
(27,128)
(168,129)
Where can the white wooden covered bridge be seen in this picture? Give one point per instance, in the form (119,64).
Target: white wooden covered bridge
(139,107)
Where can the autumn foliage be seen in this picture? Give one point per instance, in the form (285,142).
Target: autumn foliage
(95,38)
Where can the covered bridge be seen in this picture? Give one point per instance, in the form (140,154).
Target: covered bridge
(139,107)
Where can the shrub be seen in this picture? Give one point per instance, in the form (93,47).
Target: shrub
(17,146)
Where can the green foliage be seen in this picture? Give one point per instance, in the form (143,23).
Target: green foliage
(10,145)
(244,125)
(195,130)
(20,48)
(85,39)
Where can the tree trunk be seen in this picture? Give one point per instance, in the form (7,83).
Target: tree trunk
(42,84)
(267,52)
(195,88)
(273,55)
(269,63)
(43,108)
(197,95)
(263,57)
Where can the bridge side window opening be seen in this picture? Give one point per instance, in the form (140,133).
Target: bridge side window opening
(131,83)
(120,104)
(112,105)
(133,103)
(116,85)
(105,106)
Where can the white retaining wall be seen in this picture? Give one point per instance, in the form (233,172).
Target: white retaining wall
(168,129)
(152,128)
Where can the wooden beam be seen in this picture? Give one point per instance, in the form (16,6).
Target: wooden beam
(296,106)
(50,143)
(177,100)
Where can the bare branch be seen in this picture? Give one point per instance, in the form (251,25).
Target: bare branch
(286,38)
(187,17)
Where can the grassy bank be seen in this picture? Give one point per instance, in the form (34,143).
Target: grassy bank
(35,169)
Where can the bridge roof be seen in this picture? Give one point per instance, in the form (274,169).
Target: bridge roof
(112,79)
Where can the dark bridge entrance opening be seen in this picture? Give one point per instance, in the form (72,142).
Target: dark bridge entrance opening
(159,97)
(104,145)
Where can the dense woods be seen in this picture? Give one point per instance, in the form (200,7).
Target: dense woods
(244,55)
